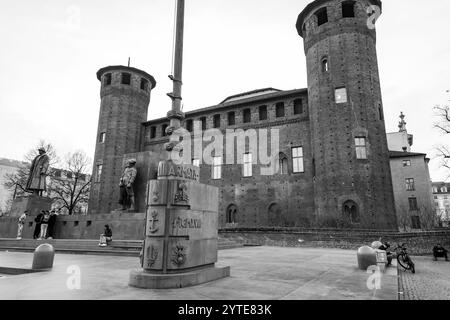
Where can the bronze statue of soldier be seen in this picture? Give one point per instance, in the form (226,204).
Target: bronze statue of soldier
(38,172)
(126,186)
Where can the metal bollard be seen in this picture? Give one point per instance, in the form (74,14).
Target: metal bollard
(366,257)
(43,257)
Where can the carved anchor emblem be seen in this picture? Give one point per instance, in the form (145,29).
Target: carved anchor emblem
(155,196)
(153,255)
(153,221)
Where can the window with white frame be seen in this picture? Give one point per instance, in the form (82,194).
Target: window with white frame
(407,163)
(99,172)
(248,164)
(410,184)
(361,148)
(340,95)
(217,168)
(297,160)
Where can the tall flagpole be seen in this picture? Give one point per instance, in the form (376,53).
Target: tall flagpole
(175,115)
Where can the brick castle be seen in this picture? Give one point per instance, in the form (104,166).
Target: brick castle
(333,157)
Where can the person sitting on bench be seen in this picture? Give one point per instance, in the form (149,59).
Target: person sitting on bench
(105,237)
(439,252)
(389,255)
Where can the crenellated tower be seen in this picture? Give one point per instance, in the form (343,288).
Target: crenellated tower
(352,184)
(125,97)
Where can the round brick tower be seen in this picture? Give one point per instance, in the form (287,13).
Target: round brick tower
(125,97)
(353,186)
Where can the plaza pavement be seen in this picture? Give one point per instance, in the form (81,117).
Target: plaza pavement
(430,282)
(257,273)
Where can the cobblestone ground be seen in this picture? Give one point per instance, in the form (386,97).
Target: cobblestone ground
(430,282)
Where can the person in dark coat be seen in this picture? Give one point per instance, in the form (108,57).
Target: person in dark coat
(105,237)
(51,225)
(440,252)
(37,228)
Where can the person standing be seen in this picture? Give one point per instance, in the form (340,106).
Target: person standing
(44,225)
(51,225)
(37,228)
(20,225)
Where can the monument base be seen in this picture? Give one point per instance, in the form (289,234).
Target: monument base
(147,280)
(32,203)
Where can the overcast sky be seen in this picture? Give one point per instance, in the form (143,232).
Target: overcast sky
(50,51)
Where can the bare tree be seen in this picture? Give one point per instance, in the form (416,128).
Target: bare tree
(72,191)
(443,125)
(17,181)
(403,218)
(428,218)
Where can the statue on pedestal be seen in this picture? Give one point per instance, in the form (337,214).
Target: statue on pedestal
(38,173)
(126,186)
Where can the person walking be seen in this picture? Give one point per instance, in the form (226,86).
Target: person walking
(44,225)
(20,225)
(37,228)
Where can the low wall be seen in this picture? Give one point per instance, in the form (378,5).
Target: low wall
(125,226)
(418,243)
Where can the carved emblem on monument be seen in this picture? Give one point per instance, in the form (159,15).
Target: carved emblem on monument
(181,195)
(155,196)
(153,221)
(153,255)
(178,255)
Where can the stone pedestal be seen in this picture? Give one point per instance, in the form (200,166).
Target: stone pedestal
(34,205)
(180,246)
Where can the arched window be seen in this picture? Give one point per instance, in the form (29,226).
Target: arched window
(350,211)
(231,214)
(283,163)
(274,214)
(325,65)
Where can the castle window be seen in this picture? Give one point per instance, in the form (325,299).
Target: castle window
(322,16)
(325,65)
(348,9)
(410,184)
(217,168)
(69,175)
(297,160)
(216,121)
(279,110)
(144,84)
(407,163)
(350,211)
(196,162)
(361,148)
(413,206)
(298,106)
(263,113)
(189,125)
(152,132)
(102,137)
(108,79)
(164,127)
(231,214)
(247,116)
(283,163)
(340,95)
(380,113)
(99,173)
(126,78)
(203,120)
(248,164)
(231,118)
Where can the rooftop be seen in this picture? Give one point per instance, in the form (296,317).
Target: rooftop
(400,154)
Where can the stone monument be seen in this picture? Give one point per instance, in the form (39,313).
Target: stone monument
(181,234)
(36,185)
(126,186)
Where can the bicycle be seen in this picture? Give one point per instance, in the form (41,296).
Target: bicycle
(404,259)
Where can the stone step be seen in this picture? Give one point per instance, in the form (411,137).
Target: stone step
(116,247)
